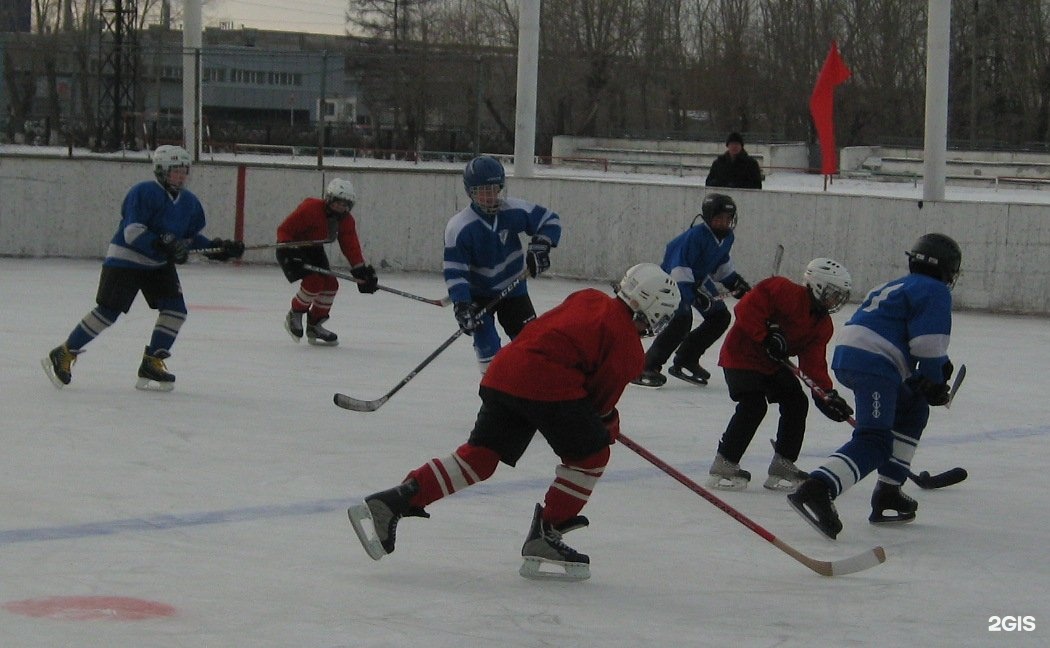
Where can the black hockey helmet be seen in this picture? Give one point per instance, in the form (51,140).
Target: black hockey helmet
(936,255)
(716,204)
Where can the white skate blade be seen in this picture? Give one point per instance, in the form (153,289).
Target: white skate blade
(145,384)
(781,484)
(297,338)
(361,519)
(319,342)
(533,569)
(50,371)
(726,483)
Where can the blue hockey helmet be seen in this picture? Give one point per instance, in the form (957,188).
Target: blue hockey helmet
(484,171)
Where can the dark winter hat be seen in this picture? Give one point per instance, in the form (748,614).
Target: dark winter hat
(735,137)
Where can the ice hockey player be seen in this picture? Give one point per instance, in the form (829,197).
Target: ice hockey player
(160,223)
(562,376)
(893,354)
(321,219)
(484,255)
(697,259)
(778,319)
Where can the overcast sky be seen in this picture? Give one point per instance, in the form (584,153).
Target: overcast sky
(314,16)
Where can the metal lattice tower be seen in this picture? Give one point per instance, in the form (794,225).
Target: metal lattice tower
(118,50)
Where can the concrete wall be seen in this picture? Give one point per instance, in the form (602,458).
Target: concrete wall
(62,207)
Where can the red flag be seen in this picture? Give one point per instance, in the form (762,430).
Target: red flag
(822,107)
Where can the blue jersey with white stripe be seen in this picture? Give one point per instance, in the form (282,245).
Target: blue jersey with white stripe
(483,253)
(903,327)
(149,212)
(696,255)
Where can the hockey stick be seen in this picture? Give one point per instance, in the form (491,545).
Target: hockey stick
(924,479)
(444,301)
(266,246)
(870,558)
(358,405)
(778,256)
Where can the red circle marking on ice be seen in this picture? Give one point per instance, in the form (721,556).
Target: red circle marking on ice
(90,608)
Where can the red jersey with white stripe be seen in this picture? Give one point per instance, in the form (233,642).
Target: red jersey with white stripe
(587,347)
(778,301)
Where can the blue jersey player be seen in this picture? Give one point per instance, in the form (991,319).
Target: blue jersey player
(893,354)
(484,255)
(696,259)
(160,222)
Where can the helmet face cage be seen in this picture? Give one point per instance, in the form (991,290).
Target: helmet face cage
(480,176)
(341,190)
(829,282)
(651,294)
(937,255)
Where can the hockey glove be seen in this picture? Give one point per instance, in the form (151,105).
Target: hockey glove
(538,256)
(173,248)
(467,317)
(775,343)
(227,250)
(833,406)
(611,420)
(738,287)
(935,393)
(366,276)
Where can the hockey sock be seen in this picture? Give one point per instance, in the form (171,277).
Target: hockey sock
(438,478)
(165,330)
(895,471)
(98,320)
(322,305)
(574,481)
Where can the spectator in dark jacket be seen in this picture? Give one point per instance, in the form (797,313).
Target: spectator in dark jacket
(735,168)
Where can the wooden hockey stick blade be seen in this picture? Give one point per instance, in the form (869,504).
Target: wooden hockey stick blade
(860,562)
(949,477)
(358,405)
(865,560)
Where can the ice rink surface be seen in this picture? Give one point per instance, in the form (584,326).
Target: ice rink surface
(217,512)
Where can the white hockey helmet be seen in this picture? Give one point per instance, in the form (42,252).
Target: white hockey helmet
(651,294)
(341,189)
(829,282)
(167,157)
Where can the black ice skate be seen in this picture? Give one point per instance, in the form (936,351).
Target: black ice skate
(293,323)
(545,546)
(691,373)
(888,497)
(651,378)
(384,509)
(318,335)
(153,374)
(813,502)
(726,475)
(58,365)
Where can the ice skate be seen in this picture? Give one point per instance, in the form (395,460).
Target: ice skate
(813,502)
(58,365)
(651,378)
(726,475)
(691,373)
(889,497)
(318,335)
(544,546)
(293,323)
(784,475)
(383,510)
(153,374)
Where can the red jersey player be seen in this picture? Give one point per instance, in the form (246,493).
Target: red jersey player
(562,377)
